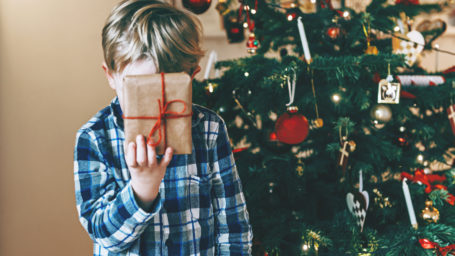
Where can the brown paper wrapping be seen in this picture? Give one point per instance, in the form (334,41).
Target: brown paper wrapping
(141,94)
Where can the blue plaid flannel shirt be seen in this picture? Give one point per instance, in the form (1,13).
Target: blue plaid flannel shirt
(200,210)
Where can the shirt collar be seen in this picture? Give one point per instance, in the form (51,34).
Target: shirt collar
(118,119)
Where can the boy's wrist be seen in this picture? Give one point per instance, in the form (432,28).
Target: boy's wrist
(145,196)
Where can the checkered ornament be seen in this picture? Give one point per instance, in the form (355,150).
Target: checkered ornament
(358,204)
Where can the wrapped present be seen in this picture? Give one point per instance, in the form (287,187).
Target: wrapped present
(158,106)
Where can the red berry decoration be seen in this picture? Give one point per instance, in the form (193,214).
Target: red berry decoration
(292,127)
(333,32)
(197,6)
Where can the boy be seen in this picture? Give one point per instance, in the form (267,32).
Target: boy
(132,202)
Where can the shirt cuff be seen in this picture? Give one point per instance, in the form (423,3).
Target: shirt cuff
(135,210)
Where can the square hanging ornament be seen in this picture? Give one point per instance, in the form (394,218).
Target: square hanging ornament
(388,91)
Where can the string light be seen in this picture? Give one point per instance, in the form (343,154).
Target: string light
(290,18)
(305,247)
(346,14)
(402,128)
(396,29)
(245,25)
(253,11)
(420,158)
(210,87)
(336,98)
(246,74)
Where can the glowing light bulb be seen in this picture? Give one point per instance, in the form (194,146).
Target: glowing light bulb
(396,29)
(210,87)
(305,247)
(346,14)
(253,11)
(420,158)
(245,25)
(290,18)
(336,98)
(246,74)
(402,128)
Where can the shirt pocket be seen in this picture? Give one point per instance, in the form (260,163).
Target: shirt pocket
(199,198)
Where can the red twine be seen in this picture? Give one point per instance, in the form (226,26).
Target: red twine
(163,115)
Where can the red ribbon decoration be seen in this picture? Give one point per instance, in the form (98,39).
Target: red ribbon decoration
(427,180)
(440,251)
(163,115)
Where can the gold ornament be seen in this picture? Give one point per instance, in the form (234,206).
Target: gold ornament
(430,214)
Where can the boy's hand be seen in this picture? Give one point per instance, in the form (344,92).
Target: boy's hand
(146,171)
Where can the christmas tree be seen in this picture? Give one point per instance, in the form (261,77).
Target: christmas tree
(343,142)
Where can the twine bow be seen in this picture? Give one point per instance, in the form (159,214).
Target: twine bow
(440,251)
(164,114)
(428,180)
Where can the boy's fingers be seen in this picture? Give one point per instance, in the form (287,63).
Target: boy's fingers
(141,156)
(131,155)
(151,155)
(167,157)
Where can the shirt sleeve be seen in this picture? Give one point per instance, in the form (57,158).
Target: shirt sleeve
(232,228)
(109,214)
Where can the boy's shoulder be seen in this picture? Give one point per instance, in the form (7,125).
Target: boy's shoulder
(206,115)
(103,120)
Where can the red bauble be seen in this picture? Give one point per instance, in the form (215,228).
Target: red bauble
(292,127)
(197,6)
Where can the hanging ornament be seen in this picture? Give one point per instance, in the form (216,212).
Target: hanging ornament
(346,147)
(371,49)
(430,214)
(197,6)
(381,113)
(358,203)
(389,92)
(252,44)
(431,29)
(292,127)
(411,45)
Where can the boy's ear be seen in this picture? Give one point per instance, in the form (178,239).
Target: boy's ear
(109,75)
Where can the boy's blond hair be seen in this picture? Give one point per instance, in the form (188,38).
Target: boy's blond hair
(151,29)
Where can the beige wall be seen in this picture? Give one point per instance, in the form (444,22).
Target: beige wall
(51,82)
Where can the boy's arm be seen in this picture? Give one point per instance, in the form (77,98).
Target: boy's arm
(232,228)
(109,214)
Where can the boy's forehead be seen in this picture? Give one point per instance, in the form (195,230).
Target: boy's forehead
(140,67)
